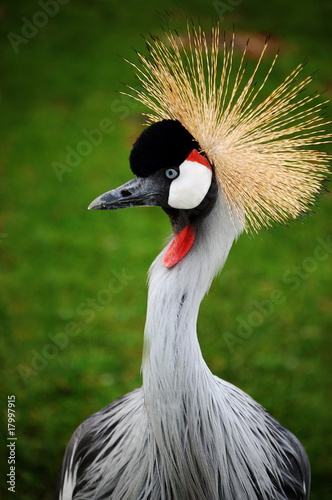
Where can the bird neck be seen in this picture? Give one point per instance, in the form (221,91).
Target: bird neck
(172,359)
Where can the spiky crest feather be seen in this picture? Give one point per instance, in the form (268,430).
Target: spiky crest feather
(260,151)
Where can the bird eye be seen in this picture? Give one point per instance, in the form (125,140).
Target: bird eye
(171,173)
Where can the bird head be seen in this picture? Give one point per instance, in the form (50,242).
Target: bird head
(170,173)
(209,138)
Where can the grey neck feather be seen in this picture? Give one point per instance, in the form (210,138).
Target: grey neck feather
(170,342)
(175,377)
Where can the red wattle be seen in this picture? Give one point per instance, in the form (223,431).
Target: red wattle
(179,247)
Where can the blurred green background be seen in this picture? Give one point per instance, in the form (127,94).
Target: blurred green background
(71,339)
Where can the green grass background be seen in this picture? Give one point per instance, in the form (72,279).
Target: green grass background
(56,257)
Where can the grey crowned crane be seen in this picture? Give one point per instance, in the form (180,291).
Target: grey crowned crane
(217,163)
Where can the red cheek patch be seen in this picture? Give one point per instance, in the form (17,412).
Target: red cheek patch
(179,247)
(198,158)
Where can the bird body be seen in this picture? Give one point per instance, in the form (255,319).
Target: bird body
(186,434)
(178,436)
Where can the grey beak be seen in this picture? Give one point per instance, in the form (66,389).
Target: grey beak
(138,192)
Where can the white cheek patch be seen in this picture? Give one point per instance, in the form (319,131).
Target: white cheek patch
(190,188)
